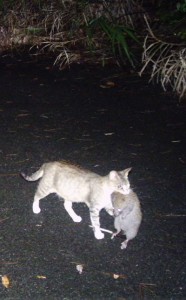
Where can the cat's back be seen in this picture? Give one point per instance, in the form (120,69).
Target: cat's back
(76,169)
(66,169)
(69,181)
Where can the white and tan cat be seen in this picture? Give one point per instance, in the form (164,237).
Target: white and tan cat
(75,184)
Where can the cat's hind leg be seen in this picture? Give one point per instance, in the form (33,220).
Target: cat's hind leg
(40,193)
(35,207)
(71,212)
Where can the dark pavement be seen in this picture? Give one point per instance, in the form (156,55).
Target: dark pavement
(76,115)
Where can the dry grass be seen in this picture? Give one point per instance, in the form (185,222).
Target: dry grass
(168,62)
(71,37)
(62,27)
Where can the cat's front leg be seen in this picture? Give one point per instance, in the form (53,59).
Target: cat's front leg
(35,207)
(71,212)
(94,217)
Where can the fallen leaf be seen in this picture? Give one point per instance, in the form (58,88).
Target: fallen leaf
(107,85)
(22,115)
(79,268)
(44,116)
(21,161)
(115,276)
(110,83)
(41,277)
(8,263)
(144,287)
(2,220)
(108,133)
(51,129)
(5,281)
(181,160)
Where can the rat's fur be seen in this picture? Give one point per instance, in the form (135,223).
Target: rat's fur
(128,215)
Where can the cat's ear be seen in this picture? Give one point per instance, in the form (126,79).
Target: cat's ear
(125,172)
(113,175)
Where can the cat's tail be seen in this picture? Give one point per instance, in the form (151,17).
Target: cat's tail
(35,176)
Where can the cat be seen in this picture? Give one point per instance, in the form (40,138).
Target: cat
(75,184)
(128,215)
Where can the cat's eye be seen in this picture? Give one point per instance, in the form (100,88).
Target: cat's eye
(120,187)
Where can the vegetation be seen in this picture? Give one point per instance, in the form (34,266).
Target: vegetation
(73,30)
(166,53)
(168,62)
(102,31)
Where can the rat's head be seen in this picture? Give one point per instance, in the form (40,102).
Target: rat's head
(118,202)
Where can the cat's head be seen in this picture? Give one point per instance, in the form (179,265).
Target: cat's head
(119,181)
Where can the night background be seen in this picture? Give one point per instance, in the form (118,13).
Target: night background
(101,84)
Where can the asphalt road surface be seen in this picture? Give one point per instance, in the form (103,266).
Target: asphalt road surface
(103,119)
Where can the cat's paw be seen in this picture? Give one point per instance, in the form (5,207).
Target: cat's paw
(36,209)
(99,235)
(77,219)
